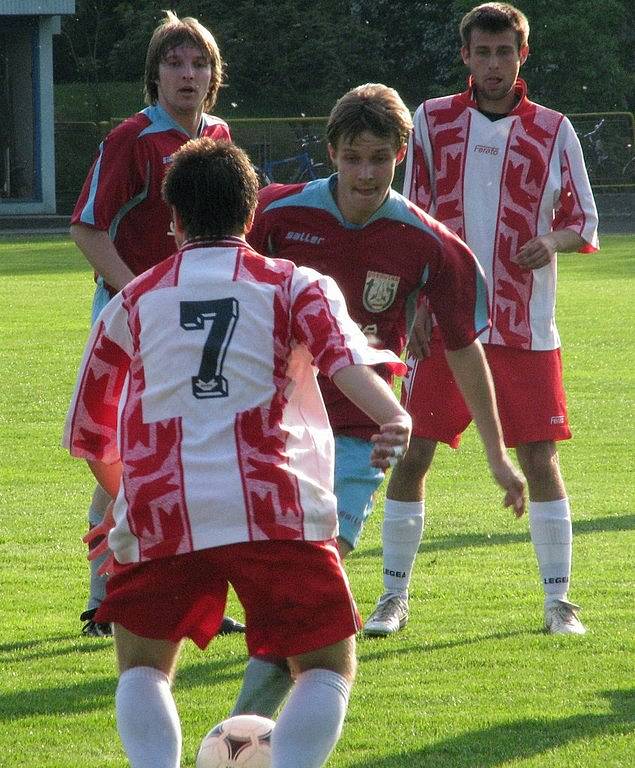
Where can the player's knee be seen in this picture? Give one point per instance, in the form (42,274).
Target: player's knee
(419,455)
(345,662)
(407,480)
(339,657)
(345,547)
(539,462)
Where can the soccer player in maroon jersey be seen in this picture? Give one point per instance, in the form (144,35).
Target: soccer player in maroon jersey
(120,223)
(198,410)
(507,175)
(383,252)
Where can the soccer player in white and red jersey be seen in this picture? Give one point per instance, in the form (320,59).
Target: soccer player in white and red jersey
(198,410)
(120,222)
(383,252)
(508,176)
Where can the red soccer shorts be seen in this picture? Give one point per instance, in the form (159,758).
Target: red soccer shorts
(529,393)
(295,594)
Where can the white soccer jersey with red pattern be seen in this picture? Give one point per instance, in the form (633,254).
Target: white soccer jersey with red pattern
(498,184)
(200,376)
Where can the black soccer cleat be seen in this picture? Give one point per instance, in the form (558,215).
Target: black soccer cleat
(93,628)
(229,626)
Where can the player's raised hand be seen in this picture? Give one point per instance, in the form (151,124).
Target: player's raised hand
(97,540)
(419,340)
(513,483)
(390,444)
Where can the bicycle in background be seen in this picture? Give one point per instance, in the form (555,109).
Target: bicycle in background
(297,168)
(608,156)
(595,154)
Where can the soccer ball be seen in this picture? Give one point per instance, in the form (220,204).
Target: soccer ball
(243,741)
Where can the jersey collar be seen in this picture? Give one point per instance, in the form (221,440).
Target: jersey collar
(163,120)
(469,96)
(202,242)
(380,213)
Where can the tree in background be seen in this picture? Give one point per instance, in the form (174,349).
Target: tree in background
(580,54)
(297,56)
(420,45)
(80,52)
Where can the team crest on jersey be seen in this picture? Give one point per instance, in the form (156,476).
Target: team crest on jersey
(379,291)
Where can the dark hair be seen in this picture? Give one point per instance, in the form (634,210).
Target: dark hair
(214,188)
(171,33)
(371,107)
(495,17)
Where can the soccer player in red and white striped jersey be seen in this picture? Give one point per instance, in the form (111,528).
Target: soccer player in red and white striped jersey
(507,175)
(198,410)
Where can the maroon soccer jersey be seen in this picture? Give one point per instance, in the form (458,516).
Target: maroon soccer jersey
(380,267)
(122,192)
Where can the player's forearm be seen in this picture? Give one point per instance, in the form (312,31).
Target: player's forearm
(474,379)
(420,333)
(107,475)
(370,393)
(102,255)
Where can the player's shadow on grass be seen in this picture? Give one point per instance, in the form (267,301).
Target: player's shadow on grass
(378,648)
(514,741)
(98,692)
(464,540)
(48,647)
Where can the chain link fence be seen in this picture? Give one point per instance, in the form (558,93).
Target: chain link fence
(608,143)
(294,149)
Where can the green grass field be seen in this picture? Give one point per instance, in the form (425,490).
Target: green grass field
(472,682)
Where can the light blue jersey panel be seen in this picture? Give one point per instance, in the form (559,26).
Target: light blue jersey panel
(320,194)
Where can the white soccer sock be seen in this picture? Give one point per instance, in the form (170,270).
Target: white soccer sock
(401,535)
(311,722)
(265,686)
(550,527)
(147,720)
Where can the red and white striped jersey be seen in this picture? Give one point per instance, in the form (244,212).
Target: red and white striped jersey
(498,184)
(201,376)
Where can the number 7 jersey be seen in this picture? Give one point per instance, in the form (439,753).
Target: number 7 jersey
(201,377)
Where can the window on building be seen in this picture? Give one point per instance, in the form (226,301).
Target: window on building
(18,49)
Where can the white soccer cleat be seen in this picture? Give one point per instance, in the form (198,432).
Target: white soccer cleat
(561,618)
(390,615)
